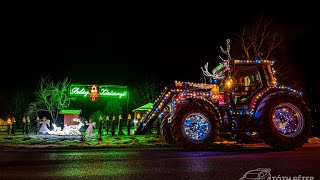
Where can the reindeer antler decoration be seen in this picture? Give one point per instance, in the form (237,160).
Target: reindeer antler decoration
(218,72)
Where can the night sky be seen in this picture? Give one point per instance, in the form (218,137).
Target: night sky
(124,43)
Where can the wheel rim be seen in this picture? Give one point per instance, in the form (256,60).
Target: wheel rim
(196,126)
(288,120)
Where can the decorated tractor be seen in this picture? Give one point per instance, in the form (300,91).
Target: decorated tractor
(242,98)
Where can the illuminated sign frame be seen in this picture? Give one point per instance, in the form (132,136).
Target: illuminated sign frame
(95,91)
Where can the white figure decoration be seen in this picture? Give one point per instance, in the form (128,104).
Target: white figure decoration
(44,123)
(68,129)
(56,130)
(90,127)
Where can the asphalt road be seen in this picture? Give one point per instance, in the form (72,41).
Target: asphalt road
(158,163)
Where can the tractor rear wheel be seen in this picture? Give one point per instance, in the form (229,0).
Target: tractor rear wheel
(195,126)
(284,120)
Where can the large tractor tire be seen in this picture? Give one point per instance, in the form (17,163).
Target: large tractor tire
(158,126)
(283,120)
(195,126)
(165,130)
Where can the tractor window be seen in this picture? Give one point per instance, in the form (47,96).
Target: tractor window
(268,75)
(247,80)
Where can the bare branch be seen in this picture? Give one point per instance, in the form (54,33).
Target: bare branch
(259,37)
(51,97)
(245,43)
(275,42)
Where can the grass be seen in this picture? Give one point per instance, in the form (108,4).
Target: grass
(107,141)
(83,141)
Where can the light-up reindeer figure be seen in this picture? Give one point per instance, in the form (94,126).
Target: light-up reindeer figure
(222,68)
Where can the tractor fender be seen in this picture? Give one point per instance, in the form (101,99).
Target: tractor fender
(265,93)
(207,103)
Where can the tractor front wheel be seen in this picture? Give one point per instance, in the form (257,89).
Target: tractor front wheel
(195,126)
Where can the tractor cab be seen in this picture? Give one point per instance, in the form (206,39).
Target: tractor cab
(249,77)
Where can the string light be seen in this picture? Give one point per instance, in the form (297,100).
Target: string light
(256,99)
(182,90)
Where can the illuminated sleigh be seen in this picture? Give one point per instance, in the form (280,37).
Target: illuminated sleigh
(68,129)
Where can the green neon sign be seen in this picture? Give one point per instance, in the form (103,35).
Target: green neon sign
(79,91)
(104,91)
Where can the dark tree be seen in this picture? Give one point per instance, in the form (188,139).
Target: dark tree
(51,97)
(259,40)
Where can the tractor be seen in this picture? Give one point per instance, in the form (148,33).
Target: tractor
(242,98)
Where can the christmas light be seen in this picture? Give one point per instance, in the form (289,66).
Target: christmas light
(273,88)
(103,90)
(79,91)
(196,126)
(67,129)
